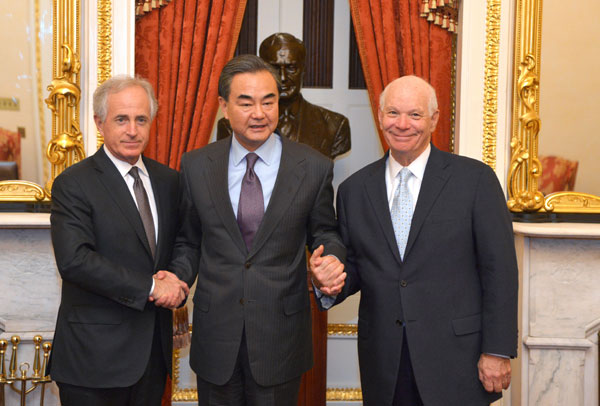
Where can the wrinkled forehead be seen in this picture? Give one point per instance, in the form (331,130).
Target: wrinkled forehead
(284,54)
(407,97)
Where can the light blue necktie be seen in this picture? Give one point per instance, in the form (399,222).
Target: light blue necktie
(402,211)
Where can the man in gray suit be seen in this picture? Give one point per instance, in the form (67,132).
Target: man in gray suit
(252,202)
(430,247)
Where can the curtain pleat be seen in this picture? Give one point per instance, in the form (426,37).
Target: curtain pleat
(393,41)
(181,49)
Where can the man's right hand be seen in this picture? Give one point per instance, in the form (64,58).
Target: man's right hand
(168,291)
(327,272)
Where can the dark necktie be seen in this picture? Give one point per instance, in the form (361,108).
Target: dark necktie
(251,206)
(144,208)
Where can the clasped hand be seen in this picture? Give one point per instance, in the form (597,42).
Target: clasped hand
(169,291)
(494,372)
(327,272)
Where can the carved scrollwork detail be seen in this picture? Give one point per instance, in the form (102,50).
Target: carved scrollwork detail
(572,202)
(66,146)
(525,167)
(22,191)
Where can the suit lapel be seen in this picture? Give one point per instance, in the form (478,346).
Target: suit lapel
(377,195)
(218,187)
(289,178)
(435,177)
(161,198)
(117,189)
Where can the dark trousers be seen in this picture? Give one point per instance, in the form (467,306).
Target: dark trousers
(407,393)
(242,389)
(147,391)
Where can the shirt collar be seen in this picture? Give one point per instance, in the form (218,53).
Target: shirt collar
(266,152)
(416,167)
(124,167)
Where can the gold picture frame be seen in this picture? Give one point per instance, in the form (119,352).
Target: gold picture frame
(525,168)
(66,144)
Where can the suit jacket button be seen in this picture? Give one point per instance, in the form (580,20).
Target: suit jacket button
(247,265)
(242,301)
(403,283)
(399,322)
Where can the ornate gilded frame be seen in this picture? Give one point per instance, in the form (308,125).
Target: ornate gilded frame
(525,167)
(66,145)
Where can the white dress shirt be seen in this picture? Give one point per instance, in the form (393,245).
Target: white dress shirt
(416,167)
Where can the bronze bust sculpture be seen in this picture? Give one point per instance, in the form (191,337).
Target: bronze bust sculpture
(324,130)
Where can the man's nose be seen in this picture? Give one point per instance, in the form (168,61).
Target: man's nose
(402,121)
(282,73)
(132,128)
(257,111)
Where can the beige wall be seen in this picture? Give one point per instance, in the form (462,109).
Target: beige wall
(570,87)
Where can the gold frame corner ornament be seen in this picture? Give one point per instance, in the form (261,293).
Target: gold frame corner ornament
(22,191)
(525,167)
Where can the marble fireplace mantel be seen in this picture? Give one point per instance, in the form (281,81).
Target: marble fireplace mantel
(559,314)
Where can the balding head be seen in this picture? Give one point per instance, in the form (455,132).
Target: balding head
(408,116)
(412,81)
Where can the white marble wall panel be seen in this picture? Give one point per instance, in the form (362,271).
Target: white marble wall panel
(29,281)
(560,314)
(556,377)
(564,286)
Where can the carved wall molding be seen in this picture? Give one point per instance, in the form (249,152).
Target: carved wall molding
(342,329)
(104,68)
(344,394)
(490,96)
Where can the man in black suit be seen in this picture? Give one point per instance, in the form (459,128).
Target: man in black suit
(253,202)
(430,247)
(113,224)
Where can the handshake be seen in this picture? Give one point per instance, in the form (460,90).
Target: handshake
(169,291)
(327,272)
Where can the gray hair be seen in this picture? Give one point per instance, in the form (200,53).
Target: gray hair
(432,103)
(243,64)
(116,84)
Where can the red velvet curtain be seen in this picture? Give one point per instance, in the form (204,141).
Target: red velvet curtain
(181,49)
(393,41)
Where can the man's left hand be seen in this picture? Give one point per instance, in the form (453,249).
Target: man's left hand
(494,372)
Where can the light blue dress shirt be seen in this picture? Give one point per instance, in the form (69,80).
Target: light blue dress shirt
(266,168)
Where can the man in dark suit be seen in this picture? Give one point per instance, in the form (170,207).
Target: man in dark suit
(326,131)
(113,225)
(253,203)
(430,247)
